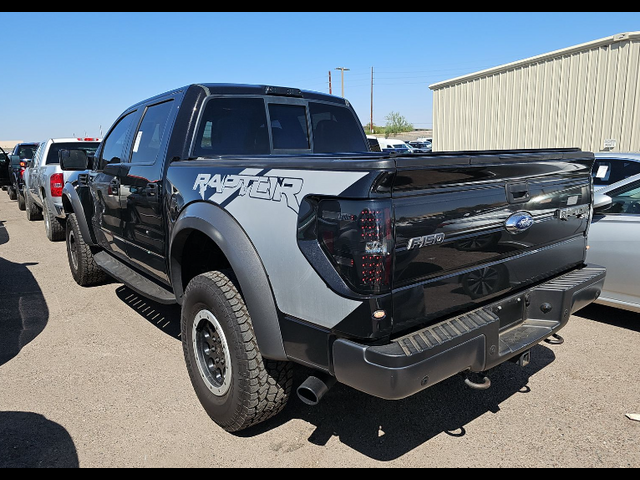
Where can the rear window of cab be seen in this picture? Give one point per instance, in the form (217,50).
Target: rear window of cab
(251,126)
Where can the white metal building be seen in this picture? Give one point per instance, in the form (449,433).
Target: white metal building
(585,96)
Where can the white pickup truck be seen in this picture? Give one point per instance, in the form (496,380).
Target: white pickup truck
(44,180)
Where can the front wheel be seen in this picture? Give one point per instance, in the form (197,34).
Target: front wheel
(235,385)
(21,204)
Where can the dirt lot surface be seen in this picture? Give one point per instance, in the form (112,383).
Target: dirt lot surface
(95,377)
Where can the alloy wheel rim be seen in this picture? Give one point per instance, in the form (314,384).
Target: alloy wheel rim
(212,352)
(73,253)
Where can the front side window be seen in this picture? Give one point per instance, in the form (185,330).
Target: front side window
(113,150)
(149,136)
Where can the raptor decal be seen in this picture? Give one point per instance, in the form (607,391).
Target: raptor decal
(264,187)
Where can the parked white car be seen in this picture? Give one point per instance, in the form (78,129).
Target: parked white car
(44,180)
(613,242)
(611,167)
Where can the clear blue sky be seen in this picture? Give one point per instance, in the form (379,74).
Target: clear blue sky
(72,73)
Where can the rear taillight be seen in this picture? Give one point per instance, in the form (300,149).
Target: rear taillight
(56,182)
(357,237)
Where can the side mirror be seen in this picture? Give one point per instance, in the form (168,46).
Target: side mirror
(73,159)
(601,202)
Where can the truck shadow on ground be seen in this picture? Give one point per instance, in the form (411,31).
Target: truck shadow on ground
(381,429)
(23,309)
(611,316)
(26,439)
(4,235)
(164,317)
(29,440)
(385,430)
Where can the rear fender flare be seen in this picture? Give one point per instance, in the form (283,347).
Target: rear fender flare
(229,236)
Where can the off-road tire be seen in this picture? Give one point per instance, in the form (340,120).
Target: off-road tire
(235,385)
(53,228)
(84,270)
(21,204)
(32,210)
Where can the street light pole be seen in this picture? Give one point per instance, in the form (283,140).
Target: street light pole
(342,69)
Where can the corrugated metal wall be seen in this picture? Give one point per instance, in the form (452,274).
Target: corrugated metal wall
(584,96)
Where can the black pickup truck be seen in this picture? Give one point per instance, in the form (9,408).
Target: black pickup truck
(262,212)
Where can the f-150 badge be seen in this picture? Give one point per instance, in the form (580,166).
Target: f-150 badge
(256,186)
(577,211)
(425,240)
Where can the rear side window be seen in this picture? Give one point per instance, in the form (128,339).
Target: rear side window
(335,129)
(149,136)
(232,126)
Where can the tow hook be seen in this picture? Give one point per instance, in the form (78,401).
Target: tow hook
(556,340)
(483,385)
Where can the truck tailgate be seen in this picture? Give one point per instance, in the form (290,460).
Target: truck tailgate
(469,229)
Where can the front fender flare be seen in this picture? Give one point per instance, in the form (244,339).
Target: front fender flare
(234,243)
(72,204)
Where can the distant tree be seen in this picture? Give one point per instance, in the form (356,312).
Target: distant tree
(396,123)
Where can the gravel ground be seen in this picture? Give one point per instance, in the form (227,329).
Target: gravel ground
(95,377)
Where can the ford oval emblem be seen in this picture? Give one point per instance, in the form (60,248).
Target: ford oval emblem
(518,222)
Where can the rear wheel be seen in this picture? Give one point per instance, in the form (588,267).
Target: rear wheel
(32,211)
(84,269)
(236,386)
(54,229)
(12,193)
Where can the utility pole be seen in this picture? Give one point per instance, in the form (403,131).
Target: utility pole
(342,69)
(371,124)
(329,82)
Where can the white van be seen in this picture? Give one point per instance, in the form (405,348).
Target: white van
(394,145)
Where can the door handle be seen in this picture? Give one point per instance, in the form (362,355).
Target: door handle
(114,187)
(151,189)
(517,192)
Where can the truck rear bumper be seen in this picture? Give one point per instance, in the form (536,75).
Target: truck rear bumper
(475,341)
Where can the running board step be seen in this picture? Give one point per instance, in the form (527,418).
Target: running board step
(133,279)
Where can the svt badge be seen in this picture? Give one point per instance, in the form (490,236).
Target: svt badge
(518,222)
